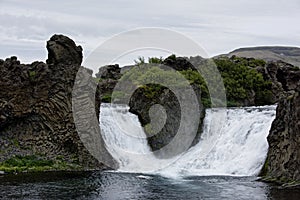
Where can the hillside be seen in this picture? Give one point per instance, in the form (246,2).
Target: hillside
(270,53)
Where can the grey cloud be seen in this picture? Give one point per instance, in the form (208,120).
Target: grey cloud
(218,25)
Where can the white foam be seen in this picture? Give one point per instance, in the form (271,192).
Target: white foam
(238,149)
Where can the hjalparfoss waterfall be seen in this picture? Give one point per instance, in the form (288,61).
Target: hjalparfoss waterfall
(238,148)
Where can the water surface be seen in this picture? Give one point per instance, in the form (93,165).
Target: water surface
(115,185)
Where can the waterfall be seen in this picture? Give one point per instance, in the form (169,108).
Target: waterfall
(125,138)
(239,149)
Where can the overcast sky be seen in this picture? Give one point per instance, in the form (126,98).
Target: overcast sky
(219,26)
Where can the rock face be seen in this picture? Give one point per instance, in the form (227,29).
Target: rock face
(283,161)
(284,78)
(161,130)
(179,63)
(36,106)
(63,50)
(108,78)
(141,105)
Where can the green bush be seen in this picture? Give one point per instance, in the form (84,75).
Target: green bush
(155,60)
(241,80)
(140,60)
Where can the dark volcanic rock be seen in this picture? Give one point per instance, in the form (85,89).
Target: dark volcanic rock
(178,63)
(141,105)
(63,50)
(109,72)
(36,106)
(108,78)
(283,161)
(284,78)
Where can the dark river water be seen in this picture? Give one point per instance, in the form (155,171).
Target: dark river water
(112,185)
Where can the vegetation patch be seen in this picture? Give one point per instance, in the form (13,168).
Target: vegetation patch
(244,85)
(34,163)
(264,169)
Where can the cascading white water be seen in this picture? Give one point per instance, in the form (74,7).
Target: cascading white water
(239,148)
(125,138)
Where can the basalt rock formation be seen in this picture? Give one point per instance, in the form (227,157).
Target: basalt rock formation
(163,123)
(283,76)
(36,115)
(283,160)
(108,77)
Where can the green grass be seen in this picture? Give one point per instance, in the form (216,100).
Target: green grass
(33,163)
(106,98)
(264,169)
(15,143)
(32,73)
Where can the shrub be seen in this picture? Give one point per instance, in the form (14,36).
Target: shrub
(242,82)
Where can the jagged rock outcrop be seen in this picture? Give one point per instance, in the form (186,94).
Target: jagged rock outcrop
(283,160)
(179,63)
(140,105)
(284,78)
(162,124)
(63,50)
(108,77)
(36,106)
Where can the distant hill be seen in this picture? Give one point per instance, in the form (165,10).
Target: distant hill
(270,53)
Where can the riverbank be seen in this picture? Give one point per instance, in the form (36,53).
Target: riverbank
(25,164)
